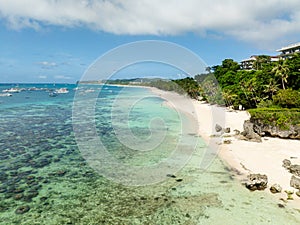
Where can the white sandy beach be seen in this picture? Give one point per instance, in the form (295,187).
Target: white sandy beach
(244,156)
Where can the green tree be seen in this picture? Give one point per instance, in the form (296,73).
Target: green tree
(294,74)
(271,88)
(281,70)
(260,61)
(287,98)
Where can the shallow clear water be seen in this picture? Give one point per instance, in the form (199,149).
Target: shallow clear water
(43,170)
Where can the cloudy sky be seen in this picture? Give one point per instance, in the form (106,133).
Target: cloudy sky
(56,40)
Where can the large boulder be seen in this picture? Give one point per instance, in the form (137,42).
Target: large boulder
(249,133)
(295,182)
(256,182)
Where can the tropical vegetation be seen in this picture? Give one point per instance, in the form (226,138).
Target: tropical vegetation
(270,90)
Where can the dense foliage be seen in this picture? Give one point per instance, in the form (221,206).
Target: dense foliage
(182,86)
(283,118)
(287,98)
(276,83)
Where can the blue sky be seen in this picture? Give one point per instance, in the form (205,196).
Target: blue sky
(56,41)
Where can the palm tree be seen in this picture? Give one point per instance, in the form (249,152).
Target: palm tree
(281,70)
(272,87)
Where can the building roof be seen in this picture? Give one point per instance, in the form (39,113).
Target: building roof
(252,58)
(296,45)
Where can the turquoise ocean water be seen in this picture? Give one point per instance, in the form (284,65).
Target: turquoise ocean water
(45,178)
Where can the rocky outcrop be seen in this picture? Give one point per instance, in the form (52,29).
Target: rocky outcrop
(256,182)
(274,131)
(249,133)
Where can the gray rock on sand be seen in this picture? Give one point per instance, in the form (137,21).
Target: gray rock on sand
(286,163)
(256,182)
(275,188)
(218,128)
(295,182)
(227,130)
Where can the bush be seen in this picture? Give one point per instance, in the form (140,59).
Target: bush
(287,98)
(266,104)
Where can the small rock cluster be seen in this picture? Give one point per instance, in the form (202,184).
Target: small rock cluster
(294,169)
(224,133)
(219,128)
(259,182)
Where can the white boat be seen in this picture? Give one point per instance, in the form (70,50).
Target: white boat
(5,95)
(12,90)
(62,91)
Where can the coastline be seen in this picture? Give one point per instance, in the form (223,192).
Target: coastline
(241,156)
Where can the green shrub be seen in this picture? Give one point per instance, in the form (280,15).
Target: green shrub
(287,98)
(267,104)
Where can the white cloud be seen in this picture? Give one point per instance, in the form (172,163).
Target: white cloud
(254,21)
(48,64)
(42,77)
(63,77)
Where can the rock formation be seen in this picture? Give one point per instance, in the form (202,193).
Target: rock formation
(249,133)
(274,131)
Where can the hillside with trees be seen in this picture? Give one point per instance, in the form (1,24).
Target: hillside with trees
(270,91)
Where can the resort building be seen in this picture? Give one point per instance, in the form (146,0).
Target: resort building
(247,64)
(288,51)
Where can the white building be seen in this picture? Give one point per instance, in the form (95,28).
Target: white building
(247,64)
(289,50)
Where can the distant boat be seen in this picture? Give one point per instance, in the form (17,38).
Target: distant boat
(5,95)
(53,94)
(89,90)
(12,90)
(62,91)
